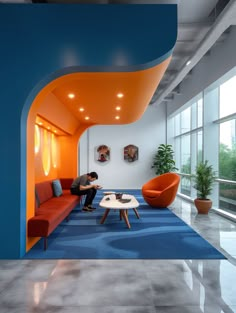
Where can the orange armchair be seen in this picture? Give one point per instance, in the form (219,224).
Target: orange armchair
(161,191)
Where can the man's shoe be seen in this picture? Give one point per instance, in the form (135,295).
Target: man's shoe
(87,209)
(90,207)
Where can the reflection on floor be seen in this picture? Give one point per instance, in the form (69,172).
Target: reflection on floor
(125,286)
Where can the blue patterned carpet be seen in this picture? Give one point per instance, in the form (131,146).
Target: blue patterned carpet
(158,234)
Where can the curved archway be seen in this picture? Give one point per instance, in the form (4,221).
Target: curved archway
(98,93)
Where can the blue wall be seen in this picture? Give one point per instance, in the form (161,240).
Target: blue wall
(41,42)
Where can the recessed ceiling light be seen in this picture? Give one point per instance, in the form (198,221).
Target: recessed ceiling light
(120,95)
(86,117)
(71,95)
(81,109)
(48,127)
(55,131)
(40,123)
(118,108)
(117,117)
(188,63)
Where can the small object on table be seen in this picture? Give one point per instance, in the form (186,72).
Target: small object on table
(124,200)
(118,195)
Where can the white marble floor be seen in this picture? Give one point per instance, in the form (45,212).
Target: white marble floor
(125,286)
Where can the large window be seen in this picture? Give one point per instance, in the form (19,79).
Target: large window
(205,129)
(185,155)
(228,97)
(187,141)
(227,144)
(185,164)
(227,155)
(185,120)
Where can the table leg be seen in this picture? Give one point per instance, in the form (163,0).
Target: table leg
(136,212)
(123,213)
(105,216)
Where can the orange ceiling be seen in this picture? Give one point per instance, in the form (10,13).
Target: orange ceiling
(97,93)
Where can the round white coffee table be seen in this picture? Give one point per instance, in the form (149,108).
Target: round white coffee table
(110,202)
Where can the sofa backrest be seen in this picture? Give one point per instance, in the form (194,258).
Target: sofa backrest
(66,182)
(44,191)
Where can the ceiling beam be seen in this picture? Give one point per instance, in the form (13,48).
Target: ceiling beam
(193,26)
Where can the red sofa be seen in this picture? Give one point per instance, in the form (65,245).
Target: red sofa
(50,211)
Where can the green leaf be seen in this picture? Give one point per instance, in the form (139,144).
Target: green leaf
(163,161)
(204,179)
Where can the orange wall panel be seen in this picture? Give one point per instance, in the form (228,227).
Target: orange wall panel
(39,168)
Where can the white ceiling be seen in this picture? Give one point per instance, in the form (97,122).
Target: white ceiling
(201,24)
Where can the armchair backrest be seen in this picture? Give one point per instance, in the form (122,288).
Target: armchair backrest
(162,182)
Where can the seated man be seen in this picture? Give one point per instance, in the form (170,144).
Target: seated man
(81,186)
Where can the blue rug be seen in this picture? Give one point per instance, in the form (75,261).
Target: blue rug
(158,234)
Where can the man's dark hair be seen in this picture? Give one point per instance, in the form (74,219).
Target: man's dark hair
(93,175)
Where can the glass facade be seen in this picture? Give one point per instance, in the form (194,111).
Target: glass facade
(187,141)
(227,97)
(205,129)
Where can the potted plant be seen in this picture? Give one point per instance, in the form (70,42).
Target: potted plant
(203,183)
(164,160)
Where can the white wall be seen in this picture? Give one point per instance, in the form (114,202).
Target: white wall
(150,130)
(212,66)
(147,134)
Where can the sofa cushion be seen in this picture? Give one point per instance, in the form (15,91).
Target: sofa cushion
(56,203)
(43,225)
(57,189)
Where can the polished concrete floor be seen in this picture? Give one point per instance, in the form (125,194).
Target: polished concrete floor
(125,286)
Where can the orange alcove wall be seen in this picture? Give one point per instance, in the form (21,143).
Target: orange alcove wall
(138,87)
(68,163)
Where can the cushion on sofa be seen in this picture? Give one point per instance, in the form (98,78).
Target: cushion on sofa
(57,189)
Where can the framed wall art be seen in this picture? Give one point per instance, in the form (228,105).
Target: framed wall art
(131,153)
(102,154)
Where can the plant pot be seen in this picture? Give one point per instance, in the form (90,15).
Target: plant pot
(203,206)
